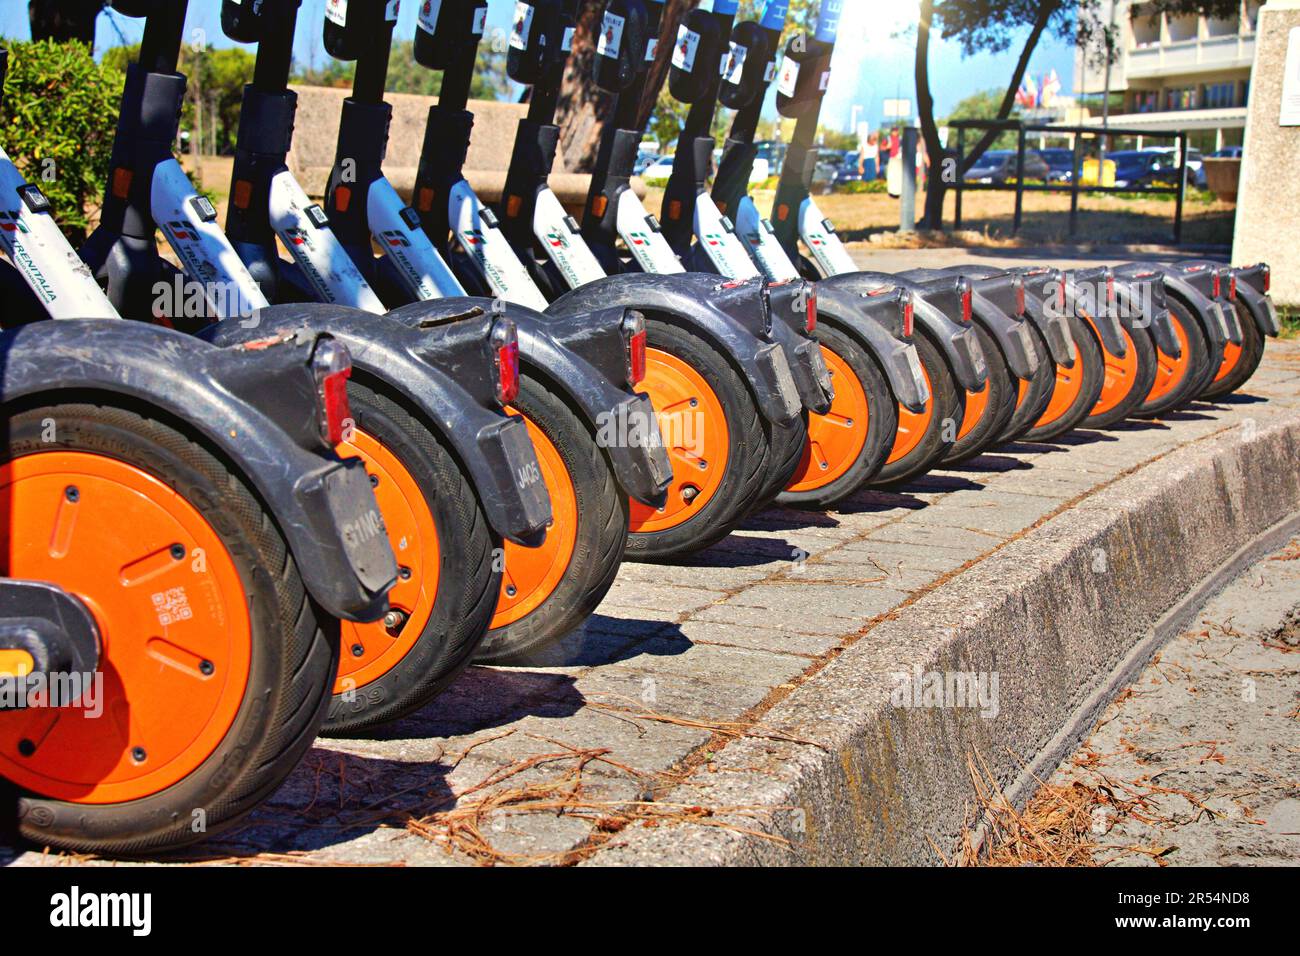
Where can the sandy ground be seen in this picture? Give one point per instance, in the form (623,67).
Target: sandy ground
(1197,763)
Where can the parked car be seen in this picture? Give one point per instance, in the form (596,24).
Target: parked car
(830,164)
(999,166)
(1139,168)
(1228,152)
(1060,164)
(1195,162)
(661,168)
(644,160)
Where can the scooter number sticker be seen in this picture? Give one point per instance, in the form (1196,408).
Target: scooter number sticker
(688,44)
(428,18)
(735,63)
(523,25)
(480,21)
(611,35)
(337,11)
(789,77)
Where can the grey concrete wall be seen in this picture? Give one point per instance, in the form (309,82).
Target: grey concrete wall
(317,128)
(1268,198)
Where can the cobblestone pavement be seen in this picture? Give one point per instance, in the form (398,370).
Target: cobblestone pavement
(680,660)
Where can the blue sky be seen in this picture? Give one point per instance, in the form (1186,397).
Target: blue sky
(872,62)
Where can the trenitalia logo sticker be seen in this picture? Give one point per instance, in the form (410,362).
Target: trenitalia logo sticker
(10,221)
(557,240)
(396,238)
(472,237)
(180,231)
(639,238)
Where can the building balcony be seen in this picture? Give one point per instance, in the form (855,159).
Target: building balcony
(1188,57)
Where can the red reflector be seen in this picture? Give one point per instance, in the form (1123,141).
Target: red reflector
(909,317)
(1110,289)
(1232,286)
(810,318)
(1268,278)
(1060,295)
(599,205)
(505,347)
(243,196)
(122,182)
(342,198)
(1020,296)
(636,358)
(1217,287)
(332,366)
(965,306)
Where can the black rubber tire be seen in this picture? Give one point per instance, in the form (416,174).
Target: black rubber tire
(1252,352)
(1038,391)
(748,454)
(1193,380)
(469,579)
(882,423)
(602,510)
(1001,405)
(294,645)
(949,404)
(1142,381)
(787,443)
(1088,351)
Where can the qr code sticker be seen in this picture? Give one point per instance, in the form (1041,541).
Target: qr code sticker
(172,606)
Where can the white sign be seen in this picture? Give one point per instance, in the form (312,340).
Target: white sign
(1290,112)
(688,43)
(610,40)
(898,109)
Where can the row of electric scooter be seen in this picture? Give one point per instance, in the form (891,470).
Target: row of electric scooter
(349,447)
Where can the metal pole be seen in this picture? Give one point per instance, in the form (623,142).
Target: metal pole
(961,159)
(907,204)
(1105,103)
(1074,183)
(1020,177)
(1182,188)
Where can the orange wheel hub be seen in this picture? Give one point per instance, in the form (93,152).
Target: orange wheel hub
(977,404)
(912,426)
(1120,373)
(532,574)
(1231,356)
(1170,371)
(1069,383)
(696,437)
(371,650)
(836,439)
(172,613)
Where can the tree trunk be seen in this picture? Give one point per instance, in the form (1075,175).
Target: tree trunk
(64,20)
(583,109)
(936,185)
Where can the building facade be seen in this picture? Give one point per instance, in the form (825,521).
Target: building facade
(1176,72)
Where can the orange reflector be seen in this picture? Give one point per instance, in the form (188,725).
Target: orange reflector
(342,198)
(243,194)
(782,212)
(722,207)
(122,182)
(675,210)
(513,205)
(424,201)
(599,205)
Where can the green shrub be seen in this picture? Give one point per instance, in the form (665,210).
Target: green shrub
(857,186)
(60,109)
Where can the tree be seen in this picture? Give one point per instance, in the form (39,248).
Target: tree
(59,115)
(64,20)
(994,26)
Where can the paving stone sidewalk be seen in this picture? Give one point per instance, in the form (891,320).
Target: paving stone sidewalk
(548,763)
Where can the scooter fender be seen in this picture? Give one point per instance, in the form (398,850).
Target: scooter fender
(730,315)
(1200,273)
(1252,281)
(581,357)
(1212,315)
(993,306)
(788,304)
(257,408)
(1086,297)
(956,340)
(897,358)
(1041,287)
(442,369)
(1140,296)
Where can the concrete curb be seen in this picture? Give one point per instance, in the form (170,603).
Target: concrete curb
(1061,615)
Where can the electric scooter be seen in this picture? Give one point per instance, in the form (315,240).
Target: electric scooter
(180,541)
(720,356)
(597,438)
(1259,321)
(864,338)
(453,473)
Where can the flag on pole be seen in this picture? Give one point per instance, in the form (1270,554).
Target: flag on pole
(1027,95)
(1051,89)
